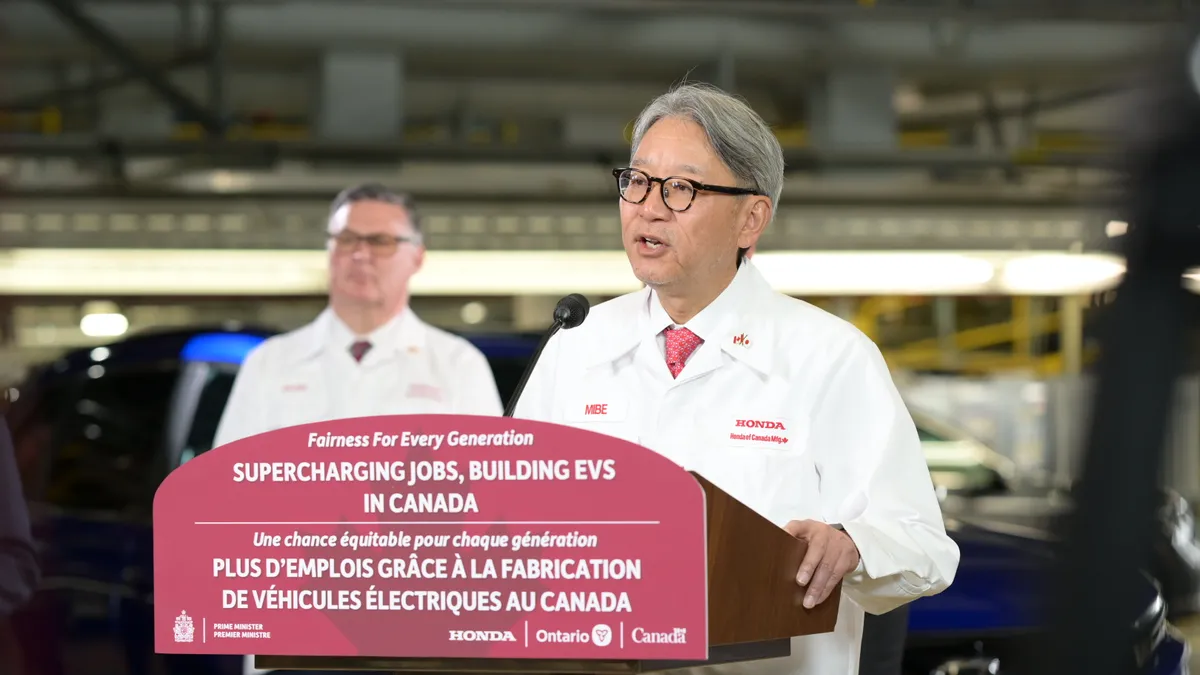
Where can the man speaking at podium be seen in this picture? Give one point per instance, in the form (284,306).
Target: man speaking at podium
(693,365)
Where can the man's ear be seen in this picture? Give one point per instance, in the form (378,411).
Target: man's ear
(754,222)
(420,259)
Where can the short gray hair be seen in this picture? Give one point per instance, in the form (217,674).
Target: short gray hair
(739,136)
(375,192)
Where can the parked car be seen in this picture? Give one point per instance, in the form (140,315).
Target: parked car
(97,430)
(979,486)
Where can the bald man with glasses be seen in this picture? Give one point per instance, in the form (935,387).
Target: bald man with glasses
(367,353)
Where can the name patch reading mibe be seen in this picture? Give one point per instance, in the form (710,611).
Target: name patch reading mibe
(597,409)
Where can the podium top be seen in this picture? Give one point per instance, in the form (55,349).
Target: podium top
(461,537)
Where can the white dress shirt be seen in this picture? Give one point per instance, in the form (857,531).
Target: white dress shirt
(852,455)
(309,375)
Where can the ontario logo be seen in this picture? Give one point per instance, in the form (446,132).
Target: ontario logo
(602,635)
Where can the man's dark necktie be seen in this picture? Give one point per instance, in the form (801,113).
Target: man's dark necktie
(359,349)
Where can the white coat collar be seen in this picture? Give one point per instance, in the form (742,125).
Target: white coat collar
(403,333)
(738,321)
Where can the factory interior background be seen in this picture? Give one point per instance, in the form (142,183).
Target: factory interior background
(168,167)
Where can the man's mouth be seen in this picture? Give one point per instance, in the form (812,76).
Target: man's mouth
(651,242)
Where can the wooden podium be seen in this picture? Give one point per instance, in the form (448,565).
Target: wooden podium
(754,607)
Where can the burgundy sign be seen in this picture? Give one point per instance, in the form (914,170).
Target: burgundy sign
(431,536)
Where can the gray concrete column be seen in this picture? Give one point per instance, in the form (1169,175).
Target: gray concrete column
(945,320)
(726,72)
(362,96)
(1071,334)
(852,110)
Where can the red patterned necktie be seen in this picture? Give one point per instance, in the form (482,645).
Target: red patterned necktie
(359,349)
(681,342)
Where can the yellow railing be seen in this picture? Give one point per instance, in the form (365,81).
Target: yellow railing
(798,137)
(1002,346)
(45,121)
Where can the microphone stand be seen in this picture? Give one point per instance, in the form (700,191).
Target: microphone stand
(537,354)
(1108,537)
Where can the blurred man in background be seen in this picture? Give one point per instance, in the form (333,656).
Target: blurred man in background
(708,343)
(19,572)
(367,353)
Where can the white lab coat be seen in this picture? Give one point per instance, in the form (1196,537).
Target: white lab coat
(308,375)
(852,454)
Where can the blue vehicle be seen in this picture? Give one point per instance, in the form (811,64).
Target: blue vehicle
(97,430)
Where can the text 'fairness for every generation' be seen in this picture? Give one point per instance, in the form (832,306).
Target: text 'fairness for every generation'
(409,439)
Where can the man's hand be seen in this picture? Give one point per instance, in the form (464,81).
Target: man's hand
(831,555)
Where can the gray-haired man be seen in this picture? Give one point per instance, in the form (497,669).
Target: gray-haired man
(708,343)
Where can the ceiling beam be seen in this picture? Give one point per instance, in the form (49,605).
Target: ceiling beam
(112,46)
(892,10)
(681,38)
(166,197)
(221,153)
(59,96)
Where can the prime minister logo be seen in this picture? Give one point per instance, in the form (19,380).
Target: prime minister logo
(185,628)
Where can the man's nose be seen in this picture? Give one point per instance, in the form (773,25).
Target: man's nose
(361,250)
(654,205)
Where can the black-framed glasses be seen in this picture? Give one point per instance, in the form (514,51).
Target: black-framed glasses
(377,244)
(634,186)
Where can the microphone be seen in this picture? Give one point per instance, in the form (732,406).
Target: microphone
(568,313)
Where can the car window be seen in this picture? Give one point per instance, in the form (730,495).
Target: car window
(31,421)
(928,436)
(959,465)
(218,384)
(108,441)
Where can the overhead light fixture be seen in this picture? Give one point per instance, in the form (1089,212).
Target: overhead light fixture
(479,274)
(855,273)
(907,98)
(1061,274)
(473,313)
(103,319)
